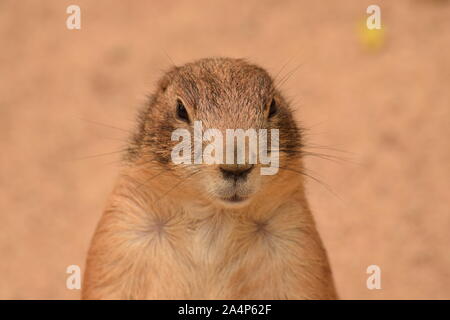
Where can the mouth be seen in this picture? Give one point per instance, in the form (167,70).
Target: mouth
(235,194)
(235,199)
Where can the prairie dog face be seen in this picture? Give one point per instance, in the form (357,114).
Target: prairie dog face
(201,101)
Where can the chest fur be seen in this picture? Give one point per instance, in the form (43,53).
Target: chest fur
(225,257)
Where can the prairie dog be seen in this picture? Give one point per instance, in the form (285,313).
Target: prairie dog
(209,231)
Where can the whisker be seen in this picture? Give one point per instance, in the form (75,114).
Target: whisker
(317,146)
(169,58)
(179,183)
(323,156)
(106,125)
(282,68)
(101,155)
(323,184)
(145,183)
(288,75)
(113,139)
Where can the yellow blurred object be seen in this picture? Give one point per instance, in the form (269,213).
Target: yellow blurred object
(371,39)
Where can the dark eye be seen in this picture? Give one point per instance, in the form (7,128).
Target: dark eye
(273,108)
(181,111)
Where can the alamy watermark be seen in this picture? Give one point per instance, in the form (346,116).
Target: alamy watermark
(73,281)
(235,153)
(374,280)
(74,20)
(374,20)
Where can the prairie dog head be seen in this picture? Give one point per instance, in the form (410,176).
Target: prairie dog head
(197,105)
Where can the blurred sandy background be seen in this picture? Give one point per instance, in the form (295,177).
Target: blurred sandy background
(389,108)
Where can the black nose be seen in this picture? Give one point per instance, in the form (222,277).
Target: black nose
(236,172)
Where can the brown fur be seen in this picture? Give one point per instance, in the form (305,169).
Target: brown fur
(164,233)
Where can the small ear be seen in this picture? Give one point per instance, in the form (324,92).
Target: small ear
(164,82)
